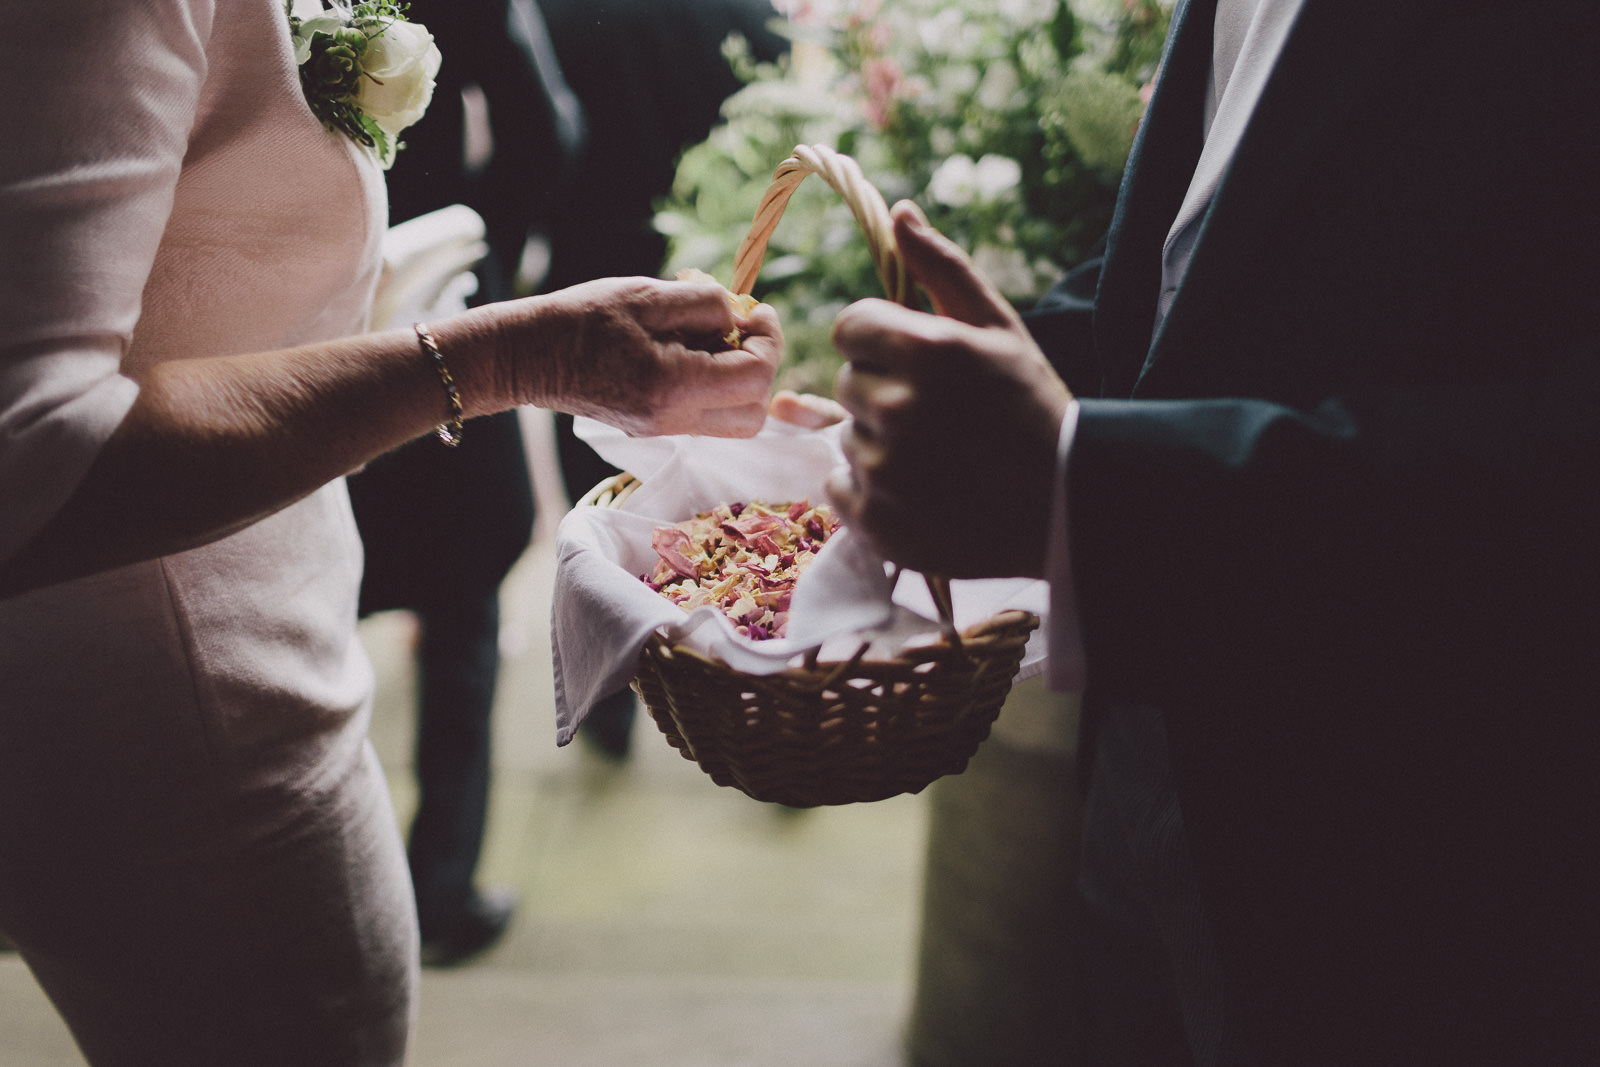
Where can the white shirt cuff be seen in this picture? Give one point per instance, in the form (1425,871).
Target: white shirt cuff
(1064,639)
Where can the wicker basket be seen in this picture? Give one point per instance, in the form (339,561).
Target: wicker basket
(832,732)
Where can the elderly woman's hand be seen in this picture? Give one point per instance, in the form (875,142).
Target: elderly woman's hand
(644,355)
(956,421)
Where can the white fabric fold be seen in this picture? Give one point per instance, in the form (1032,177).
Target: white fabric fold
(427,266)
(603,614)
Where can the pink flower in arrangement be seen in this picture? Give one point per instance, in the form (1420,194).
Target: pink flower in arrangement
(884,79)
(811,13)
(803,12)
(864,13)
(877,33)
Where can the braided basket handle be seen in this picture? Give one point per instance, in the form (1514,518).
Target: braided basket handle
(872,216)
(865,203)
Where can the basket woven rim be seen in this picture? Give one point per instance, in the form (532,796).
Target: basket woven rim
(995,625)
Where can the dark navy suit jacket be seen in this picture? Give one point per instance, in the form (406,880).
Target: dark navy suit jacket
(1340,519)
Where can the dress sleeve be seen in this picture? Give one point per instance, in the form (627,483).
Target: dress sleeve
(95,115)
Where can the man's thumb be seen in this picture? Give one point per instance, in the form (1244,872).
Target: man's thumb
(945,272)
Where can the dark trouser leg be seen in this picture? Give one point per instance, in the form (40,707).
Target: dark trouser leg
(609,725)
(1151,971)
(458,663)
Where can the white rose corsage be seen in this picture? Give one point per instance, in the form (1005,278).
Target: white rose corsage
(367,71)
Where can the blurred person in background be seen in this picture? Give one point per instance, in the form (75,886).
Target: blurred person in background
(502,125)
(650,76)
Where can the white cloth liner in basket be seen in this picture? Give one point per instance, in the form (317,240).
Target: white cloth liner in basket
(602,614)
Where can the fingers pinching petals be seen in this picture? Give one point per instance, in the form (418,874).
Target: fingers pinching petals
(647,357)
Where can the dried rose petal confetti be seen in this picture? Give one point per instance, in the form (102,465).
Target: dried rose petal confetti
(741,558)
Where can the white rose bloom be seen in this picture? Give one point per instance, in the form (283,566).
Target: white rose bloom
(311,24)
(994,176)
(398,71)
(954,182)
(314,18)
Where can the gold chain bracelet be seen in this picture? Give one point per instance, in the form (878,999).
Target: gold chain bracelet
(450,431)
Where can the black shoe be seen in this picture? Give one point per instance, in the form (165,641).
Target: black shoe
(450,940)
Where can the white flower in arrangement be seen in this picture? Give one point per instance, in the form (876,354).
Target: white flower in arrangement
(808,12)
(942,33)
(960,181)
(1001,88)
(365,69)
(1027,14)
(954,182)
(1007,268)
(799,101)
(996,176)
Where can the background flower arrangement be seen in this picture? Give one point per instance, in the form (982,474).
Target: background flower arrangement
(1009,123)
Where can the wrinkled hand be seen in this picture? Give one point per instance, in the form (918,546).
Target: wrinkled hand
(647,357)
(956,420)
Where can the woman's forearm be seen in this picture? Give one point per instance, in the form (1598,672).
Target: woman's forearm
(212,445)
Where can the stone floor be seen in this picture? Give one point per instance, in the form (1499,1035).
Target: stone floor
(665,921)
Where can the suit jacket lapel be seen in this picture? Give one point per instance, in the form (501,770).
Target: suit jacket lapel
(1164,154)
(1332,51)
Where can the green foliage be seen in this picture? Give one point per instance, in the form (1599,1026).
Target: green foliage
(1008,122)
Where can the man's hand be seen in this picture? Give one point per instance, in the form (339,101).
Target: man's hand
(956,420)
